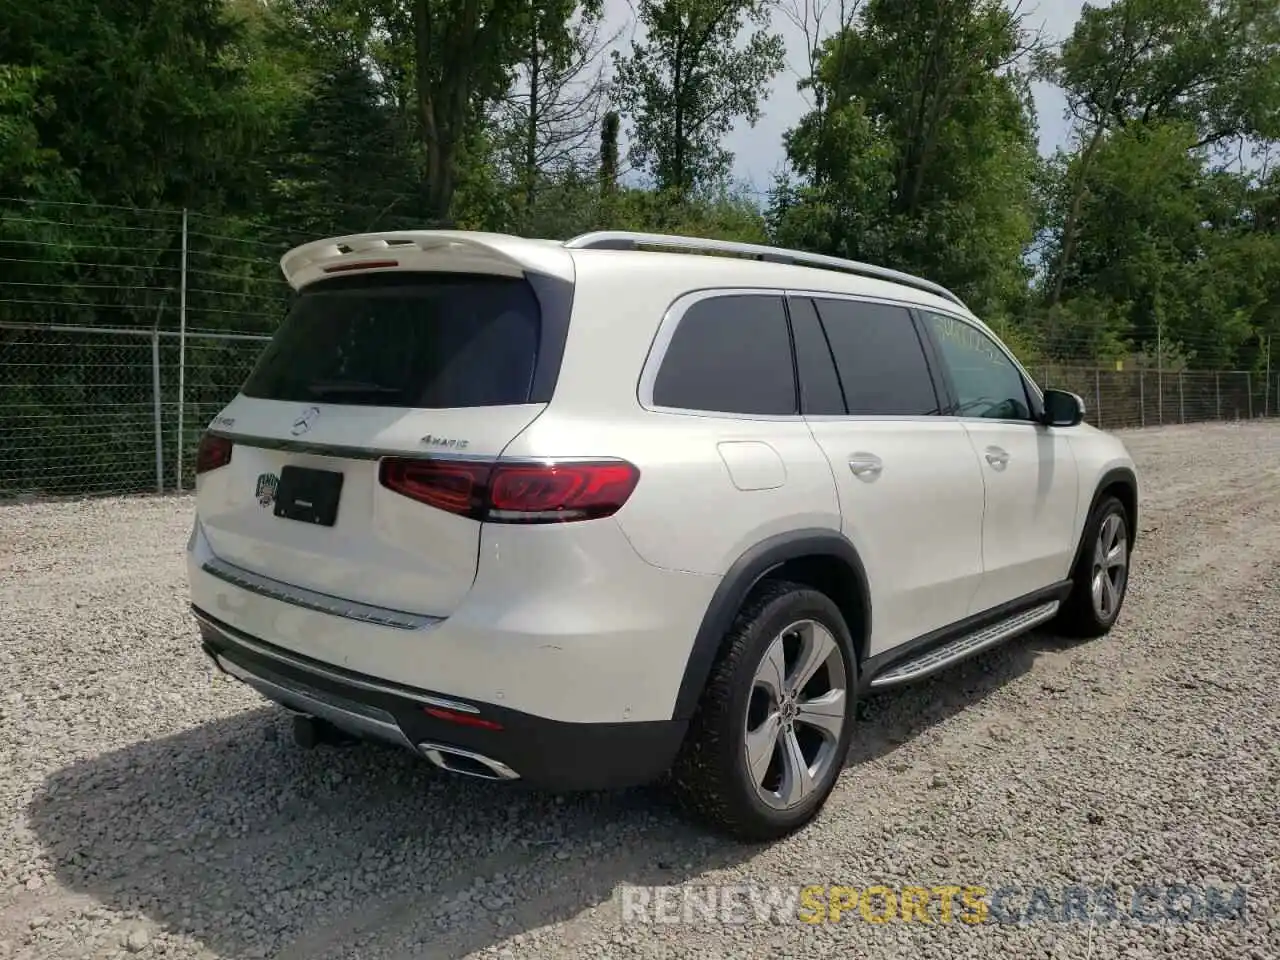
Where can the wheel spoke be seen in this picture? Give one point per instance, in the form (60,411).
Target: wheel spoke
(816,647)
(1099,594)
(761,744)
(773,670)
(825,713)
(1109,594)
(1110,531)
(796,781)
(1115,556)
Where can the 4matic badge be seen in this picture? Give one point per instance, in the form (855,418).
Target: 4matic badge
(266,489)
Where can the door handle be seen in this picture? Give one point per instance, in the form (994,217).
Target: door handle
(997,457)
(865,466)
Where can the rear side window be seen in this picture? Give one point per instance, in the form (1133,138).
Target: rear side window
(879,357)
(405,340)
(730,354)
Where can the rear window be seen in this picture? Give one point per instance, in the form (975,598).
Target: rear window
(405,340)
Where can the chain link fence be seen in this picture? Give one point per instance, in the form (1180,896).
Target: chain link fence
(123,333)
(1127,399)
(85,410)
(97,411)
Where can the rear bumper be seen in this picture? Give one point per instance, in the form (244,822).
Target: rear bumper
(564,624)
(549,754)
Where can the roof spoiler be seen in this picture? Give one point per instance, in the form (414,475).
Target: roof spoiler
(426,250)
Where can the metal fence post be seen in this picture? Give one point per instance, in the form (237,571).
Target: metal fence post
(1142,397)
(1248,389)
(1097,391)
(1217,391)
(182,356)
(1182,407)
(155,399)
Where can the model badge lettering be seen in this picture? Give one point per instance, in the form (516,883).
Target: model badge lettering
(447,442)
(266,489)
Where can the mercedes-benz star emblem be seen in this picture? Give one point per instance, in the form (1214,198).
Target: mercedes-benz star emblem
(305,422)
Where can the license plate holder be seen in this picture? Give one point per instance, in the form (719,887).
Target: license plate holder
(308,495)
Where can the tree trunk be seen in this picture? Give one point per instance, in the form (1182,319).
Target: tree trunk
(1071,224)
(531,128)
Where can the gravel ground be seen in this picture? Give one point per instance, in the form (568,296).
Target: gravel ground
(150,808)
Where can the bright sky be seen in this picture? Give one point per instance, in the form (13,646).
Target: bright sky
(758,150)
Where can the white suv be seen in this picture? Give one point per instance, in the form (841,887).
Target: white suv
(587,513)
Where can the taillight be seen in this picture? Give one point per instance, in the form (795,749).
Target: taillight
(450,485)
(514,492)
(213,452)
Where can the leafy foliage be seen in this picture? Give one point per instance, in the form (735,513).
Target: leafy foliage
(687,82)
(1153,238)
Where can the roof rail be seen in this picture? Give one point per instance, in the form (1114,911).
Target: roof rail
(628,240)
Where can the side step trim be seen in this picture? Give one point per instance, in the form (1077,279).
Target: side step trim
(966,645)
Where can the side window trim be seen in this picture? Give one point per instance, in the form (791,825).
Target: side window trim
(790,301)
(666,332)
(933,364)
(943,388)
(1032,394)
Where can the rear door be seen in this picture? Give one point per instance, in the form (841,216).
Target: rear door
(910,488)
(364,367)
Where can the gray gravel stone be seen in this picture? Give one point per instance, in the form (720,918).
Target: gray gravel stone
(149,806)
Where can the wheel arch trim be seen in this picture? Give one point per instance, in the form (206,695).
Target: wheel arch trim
(1125,477)
(743,576)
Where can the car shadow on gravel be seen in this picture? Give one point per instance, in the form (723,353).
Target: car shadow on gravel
(894,716)
(231,835)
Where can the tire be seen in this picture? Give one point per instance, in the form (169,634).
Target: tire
(711,777)
(1082,615)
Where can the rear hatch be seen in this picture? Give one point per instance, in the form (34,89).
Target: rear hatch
(366,367)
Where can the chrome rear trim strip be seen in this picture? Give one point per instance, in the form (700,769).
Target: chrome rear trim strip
(357,719)
(312,600)
(237,639)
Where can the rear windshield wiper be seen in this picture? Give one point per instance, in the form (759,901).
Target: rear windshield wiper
(328,388)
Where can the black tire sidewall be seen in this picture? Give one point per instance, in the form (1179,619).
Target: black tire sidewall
(801,604)
(1084,575)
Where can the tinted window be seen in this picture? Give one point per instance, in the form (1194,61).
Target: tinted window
(730,354)
(879,357)
(819,385)
(404,340)
(986,383)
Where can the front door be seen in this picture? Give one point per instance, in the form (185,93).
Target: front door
(1029,471)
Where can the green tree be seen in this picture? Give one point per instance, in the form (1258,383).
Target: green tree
(687,82)
(1213,65)
(921,152)
(550,117)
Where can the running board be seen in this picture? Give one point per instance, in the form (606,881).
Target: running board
(966,645)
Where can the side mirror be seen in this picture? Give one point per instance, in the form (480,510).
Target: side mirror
(1062,409)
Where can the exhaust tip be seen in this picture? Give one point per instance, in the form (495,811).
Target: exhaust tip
(455,760)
